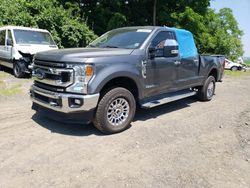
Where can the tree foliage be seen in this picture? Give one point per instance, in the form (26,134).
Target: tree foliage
(72,22)
(215,33)
(67,29)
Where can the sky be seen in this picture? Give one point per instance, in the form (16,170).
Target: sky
(241,11)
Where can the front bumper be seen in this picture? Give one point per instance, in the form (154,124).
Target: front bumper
(61,102)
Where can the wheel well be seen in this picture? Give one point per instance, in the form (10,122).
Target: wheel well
(214,73)
(124,82)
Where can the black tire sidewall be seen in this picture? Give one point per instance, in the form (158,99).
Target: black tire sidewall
(234,68)
(208,81)
(108,98)
(19,74)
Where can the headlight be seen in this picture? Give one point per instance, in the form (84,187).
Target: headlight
(82,76)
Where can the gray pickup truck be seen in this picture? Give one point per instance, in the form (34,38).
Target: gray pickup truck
(122,69)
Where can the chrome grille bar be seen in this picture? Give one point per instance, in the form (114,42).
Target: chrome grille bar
(53,76)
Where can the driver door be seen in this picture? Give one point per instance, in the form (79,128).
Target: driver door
(161,72)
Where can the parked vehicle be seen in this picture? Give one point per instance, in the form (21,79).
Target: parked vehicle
(230,65)
(104,82)
(19,44)
(240,60)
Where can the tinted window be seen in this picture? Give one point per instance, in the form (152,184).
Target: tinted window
(122,38)
(2,37)
(159,41)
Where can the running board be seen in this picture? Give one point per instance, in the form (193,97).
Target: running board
(167,99)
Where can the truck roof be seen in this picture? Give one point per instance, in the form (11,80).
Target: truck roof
(23,28)
(141,27)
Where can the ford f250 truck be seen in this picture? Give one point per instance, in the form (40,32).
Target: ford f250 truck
(124,68)
(19,44)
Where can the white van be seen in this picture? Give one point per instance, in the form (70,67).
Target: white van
(19,44)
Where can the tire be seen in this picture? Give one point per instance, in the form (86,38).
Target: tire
(206,92)
(115,111)
(18,70)
(234,68)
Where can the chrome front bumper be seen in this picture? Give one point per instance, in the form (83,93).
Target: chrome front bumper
(62,102)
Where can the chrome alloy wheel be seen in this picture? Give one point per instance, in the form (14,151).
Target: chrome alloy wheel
(210,90)
(118,111)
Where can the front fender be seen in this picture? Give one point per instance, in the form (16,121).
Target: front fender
(104,74)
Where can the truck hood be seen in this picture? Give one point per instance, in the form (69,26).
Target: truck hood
(34,48)
(80,54)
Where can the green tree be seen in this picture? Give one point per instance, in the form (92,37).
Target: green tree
(215,33)
(71,21)
(68,29)
(118,20)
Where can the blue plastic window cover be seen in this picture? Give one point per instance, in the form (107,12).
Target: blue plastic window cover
(187,47)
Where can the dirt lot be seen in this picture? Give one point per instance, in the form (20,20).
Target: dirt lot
(181,144)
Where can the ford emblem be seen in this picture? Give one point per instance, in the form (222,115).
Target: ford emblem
(39,74)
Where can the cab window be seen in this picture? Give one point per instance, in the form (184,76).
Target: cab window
(2,37)
(159,41)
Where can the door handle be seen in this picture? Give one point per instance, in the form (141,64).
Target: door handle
(177,62)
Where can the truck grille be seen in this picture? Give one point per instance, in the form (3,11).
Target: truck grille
(49,87)
(50,64)
(52,75)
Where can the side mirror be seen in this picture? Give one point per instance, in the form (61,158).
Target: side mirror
(171,48)
(9,42)
(151,51)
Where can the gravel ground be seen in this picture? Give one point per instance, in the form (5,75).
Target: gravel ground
(182,144)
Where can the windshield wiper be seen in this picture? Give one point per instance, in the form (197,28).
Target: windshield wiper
(110,46)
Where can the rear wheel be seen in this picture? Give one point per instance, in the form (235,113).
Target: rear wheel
(18,70)
(206,92)
(115,111)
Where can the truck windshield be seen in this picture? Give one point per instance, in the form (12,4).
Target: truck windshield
(122,38)
(33,37)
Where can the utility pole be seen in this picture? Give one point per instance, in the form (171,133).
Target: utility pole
(154,12)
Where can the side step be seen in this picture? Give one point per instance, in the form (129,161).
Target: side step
(168,98)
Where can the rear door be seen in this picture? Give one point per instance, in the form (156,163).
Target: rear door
(188,72)
(161,72)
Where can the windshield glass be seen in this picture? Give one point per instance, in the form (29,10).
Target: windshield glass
(122,38)
(32,37)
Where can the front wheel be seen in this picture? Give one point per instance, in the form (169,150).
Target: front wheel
(234,68)
(18,70)
(115,111)
(206,92)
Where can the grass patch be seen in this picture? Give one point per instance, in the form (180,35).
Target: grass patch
(8,91)
(3,74)
(236,73)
